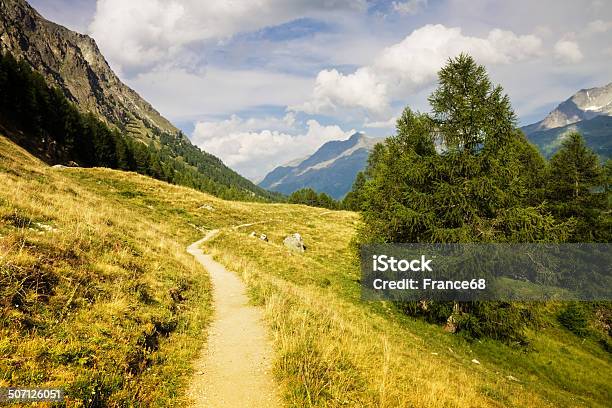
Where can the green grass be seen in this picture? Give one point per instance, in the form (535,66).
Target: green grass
(336,350)
(98,296)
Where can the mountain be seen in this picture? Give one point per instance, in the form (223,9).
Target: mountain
(331,169)
(588,111)
(72,63)
(583,105)
(597,133)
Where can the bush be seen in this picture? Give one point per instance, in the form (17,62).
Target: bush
(574,318)
(497,320)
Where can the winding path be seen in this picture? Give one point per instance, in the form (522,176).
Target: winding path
(234,369)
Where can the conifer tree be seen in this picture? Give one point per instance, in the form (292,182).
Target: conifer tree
(353,200)
(463,174)
(577,188)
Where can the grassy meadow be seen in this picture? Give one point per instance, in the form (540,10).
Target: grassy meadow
(335,350)
(97,295)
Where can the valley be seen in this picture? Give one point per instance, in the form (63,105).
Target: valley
(119,309)
(139,268)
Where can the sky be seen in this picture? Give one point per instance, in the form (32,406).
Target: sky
(262,83)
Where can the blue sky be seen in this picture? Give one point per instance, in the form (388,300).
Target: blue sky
(262,83)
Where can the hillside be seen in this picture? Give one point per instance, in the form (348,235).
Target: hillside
(101,298)
(331,169)
(73,63)
(38,118)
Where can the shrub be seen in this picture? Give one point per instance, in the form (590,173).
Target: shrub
(574,318)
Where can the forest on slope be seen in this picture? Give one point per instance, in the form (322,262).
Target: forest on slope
(40,118)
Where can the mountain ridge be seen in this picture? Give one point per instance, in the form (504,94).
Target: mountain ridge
(597,134)
(583,105)
(331,169)
(73,62)
(588,112)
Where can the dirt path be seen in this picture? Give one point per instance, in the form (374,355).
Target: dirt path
(234,369)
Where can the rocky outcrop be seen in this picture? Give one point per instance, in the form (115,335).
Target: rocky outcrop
(73,62)
(295,242)
(588,112)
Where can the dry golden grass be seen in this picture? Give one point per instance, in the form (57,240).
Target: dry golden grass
(335,350)
(98,295)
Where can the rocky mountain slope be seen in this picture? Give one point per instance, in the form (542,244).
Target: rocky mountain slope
(588,111)
(583,105)
(73,62)
(331,169)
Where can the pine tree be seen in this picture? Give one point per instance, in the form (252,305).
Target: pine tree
(464,174)
(467,109)
(353,200)
(577,189)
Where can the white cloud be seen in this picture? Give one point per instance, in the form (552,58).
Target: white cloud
(254,150)
(599,26)
(362,88)
(411,65)
(596,4)
(409,6)
(381,124)
(183,95)
(137,33)
(568,51)
(543,31)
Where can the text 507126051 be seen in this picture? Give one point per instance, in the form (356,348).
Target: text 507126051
(27,394)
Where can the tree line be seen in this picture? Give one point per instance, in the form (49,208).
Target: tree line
(44,121)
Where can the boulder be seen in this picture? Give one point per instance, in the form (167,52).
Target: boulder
(453,320)
(263,237)
(295,242)
(451,324)
(253,234)
(45,227)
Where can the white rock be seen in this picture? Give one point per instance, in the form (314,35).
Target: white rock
(45,227)
(294,242)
